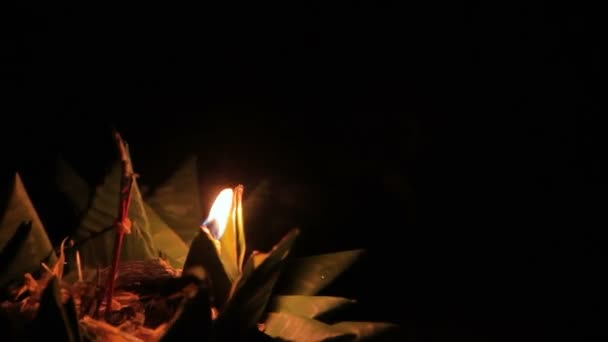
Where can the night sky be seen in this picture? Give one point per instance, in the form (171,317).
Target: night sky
(459,143)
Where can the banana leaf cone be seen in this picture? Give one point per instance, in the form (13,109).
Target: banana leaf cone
(225,294)
(248,301)
(24,243)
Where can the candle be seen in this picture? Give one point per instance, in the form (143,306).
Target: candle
(215,224)
(209,250)
(223,229)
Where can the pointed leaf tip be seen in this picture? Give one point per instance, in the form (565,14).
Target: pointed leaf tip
(72,185)
(166,240)
(369,331)
(250,294)
(203,253)
(177,201)
(290,327)
(309,275)
(29,248)
(95,234)
(309,306)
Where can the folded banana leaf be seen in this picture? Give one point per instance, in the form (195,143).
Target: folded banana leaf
(177,201)
(164,238)
(250,294)
(256,199)
(166,241)
(193,320)
(72,186)
(291,327)
(96,234)
(308,306)
(232,242)
(12,247)
(203,253)
(23,247)
(369,331)
(309,275)
(294,328)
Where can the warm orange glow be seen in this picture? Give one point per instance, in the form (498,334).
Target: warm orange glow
(219,213)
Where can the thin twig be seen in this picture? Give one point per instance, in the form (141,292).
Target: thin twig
(122,224)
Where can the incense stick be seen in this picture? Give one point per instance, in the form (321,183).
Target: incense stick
(78,266)
(46,267)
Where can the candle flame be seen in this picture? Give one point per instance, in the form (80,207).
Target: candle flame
(219,213)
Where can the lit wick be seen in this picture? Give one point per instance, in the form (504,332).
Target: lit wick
(215,224)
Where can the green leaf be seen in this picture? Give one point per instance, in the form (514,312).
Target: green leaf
(240,227)
(368,331)
(51,319)
(177,201)
(163,237)
(30,245)
(232,242)
(294,328)
(96,234)
(166,240)
(73,186)
(203,252)
(308,306)
(260,264)
(193,322)
(252,291)
(309,275)
(255,201)
(16,242)
(255,260)
(228,245)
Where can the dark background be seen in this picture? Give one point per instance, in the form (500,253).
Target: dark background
(459,143)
